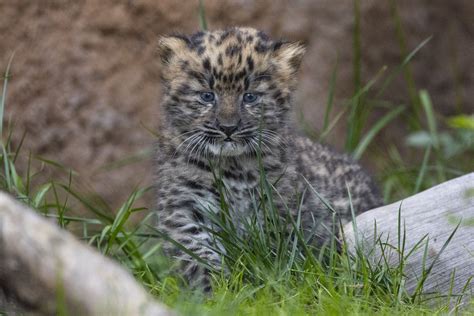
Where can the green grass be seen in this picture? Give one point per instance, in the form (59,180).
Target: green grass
(272,270)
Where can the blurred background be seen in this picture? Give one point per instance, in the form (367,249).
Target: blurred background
(85,86)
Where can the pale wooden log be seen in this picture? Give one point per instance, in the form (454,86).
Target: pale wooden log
(435,213)
(46,270)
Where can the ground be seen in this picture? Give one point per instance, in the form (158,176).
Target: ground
(86,87)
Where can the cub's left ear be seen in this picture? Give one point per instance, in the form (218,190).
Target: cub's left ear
(289,55)
(171,46)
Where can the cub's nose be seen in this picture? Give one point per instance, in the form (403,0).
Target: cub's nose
(228,130)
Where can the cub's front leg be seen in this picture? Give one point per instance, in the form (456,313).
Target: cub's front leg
(181,219)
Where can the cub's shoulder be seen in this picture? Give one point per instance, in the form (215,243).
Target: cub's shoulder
(314,151)
(320,161)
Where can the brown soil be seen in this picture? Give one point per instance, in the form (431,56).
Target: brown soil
(86,87)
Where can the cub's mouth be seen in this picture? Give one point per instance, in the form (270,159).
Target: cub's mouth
(227,147)
(208,143)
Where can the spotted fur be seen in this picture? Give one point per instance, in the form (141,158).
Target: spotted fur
(230,133)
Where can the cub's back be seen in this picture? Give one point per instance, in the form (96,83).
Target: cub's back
(333,175)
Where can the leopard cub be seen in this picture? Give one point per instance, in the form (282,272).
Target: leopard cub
(226,104)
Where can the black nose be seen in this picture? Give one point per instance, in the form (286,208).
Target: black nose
(228,129)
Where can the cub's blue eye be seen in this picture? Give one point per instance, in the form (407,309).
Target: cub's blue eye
(207,97)
(250,97)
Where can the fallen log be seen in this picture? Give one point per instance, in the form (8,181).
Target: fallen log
(46,270)
(442,218)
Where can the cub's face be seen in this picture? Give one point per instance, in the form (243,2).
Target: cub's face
(226,93)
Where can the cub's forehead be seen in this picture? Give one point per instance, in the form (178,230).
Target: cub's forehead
(231,40)
(236,58)
(232,48)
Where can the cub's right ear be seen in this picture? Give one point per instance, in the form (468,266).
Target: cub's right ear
(170,46)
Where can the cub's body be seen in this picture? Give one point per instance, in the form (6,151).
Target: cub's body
(227,98)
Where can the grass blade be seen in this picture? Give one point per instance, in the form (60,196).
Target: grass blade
(4,92)
(408,73)
(370,135)
(202,16)
(329,103)
(400,67)
(422,172)
(430,116)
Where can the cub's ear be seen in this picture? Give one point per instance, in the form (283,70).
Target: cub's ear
(172,45)
(288,55)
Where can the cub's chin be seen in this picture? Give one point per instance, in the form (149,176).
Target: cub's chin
(227,149)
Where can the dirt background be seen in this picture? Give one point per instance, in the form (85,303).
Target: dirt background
(85,84)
